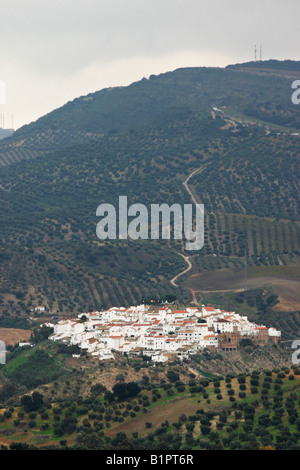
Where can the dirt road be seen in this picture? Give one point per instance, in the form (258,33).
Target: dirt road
(186,258)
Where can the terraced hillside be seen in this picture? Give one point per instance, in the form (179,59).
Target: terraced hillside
(144,141)
(205,403)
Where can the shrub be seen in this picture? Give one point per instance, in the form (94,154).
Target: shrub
(172,376)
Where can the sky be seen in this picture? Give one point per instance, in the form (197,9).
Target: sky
(54,51)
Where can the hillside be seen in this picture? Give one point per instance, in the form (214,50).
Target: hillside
(256,94)
(5,133)
(234,126)
(132,405)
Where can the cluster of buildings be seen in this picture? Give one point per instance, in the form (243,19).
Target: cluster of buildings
(162,333)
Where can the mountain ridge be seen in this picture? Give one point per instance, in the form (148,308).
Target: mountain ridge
(119,108)
(53,178)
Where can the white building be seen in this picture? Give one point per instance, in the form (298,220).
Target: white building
(140,329)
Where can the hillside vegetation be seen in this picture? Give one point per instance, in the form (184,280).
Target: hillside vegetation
(143,141)
(204,403)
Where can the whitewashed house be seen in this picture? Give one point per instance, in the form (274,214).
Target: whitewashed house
(115,341)
(105,355)
(159,358)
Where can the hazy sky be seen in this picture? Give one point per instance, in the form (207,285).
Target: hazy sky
(52,51)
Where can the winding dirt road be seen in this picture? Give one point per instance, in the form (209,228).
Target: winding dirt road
(186,258)
(185,184)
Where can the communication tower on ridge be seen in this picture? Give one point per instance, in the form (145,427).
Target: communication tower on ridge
(256,53)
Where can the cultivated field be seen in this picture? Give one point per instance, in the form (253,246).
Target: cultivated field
(285,281)
(11,336)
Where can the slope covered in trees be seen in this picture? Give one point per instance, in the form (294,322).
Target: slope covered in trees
(143,141)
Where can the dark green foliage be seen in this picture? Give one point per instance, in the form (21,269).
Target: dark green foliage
(98,389)
(125,390)
(172,376)
(32,402)
(143,141)
(8,388)
(41,333)
(36,369)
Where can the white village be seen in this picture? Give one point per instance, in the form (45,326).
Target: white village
(162,334)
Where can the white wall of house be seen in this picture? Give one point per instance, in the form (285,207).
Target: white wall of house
(114,342)
(126,329)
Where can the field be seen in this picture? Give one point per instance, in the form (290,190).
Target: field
(168,408)
(284,281)
(12,336)
(155,141)
(249,411)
